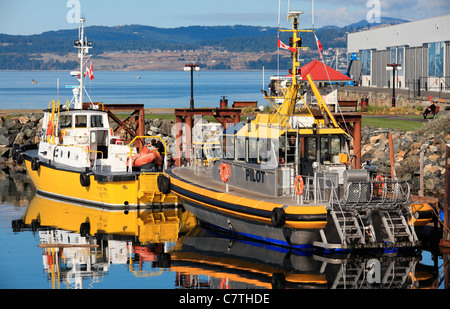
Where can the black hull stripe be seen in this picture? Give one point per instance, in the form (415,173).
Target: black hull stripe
(243,209)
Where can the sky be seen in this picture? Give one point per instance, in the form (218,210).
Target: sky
(36,16)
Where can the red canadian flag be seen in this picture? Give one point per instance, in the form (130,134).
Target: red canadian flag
(319,45)
(284,46)
(90,72)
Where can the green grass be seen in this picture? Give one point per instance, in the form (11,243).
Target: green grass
(396,124)
(160,116)
(386,123)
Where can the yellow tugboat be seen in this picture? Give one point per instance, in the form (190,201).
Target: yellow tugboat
(79,158)
(286,179)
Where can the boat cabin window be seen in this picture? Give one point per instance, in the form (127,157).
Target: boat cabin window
(251,150)
(263,150)
(228,147)
(308,154)
(80,121)
(311,148)
(330,147)
(96,121)
(65,121)
(240,148)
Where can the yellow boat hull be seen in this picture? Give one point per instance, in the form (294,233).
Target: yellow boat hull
(141,191)
(148,226)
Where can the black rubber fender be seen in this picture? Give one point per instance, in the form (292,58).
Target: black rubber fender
(19,158)
(85,229)
(163,184)
(278,281)
(164,260)
(278,217)
(85,179)
(15,151)
(35,164)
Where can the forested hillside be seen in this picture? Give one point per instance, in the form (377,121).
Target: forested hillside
(23,52)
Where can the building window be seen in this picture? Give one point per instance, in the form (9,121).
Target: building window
(436,59)
(400,53)
(366,61)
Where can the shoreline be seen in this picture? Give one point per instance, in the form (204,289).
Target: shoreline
(149,110)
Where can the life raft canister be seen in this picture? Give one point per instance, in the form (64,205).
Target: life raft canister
(147,156)
(299,185)
(224,170)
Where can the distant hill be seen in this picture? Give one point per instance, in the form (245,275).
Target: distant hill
(383,21)
(21,52)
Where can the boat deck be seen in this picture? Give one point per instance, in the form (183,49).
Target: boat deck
(201,176)
(101,173)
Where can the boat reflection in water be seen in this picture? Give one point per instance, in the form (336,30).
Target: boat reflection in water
(79,242)
(204,259)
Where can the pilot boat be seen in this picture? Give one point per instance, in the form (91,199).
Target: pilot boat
(79,158)
(286,179)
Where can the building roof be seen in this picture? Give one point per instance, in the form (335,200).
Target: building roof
(322,72)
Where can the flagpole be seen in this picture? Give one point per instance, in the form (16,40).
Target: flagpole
(278,37)
(312,13)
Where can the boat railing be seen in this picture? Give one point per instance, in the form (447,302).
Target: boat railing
(316,189)
(374,193)
(94,163)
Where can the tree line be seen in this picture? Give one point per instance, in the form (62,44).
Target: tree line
(18,52)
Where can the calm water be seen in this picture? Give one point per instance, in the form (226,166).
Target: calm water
(153,89)
(115,254)
(131,258)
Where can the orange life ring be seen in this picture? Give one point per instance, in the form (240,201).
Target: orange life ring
(224,284)
(224,170)
(50,127)
(299,185)
(380,184)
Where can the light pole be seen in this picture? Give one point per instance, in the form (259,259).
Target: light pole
(393,67)
(191,67)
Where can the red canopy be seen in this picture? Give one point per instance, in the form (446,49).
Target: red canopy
(318,71)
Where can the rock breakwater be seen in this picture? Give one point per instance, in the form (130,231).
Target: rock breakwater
(431,138)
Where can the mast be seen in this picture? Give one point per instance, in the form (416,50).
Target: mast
(83,47)
(286,109)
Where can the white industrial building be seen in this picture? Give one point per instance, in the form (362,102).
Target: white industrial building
(422,48)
